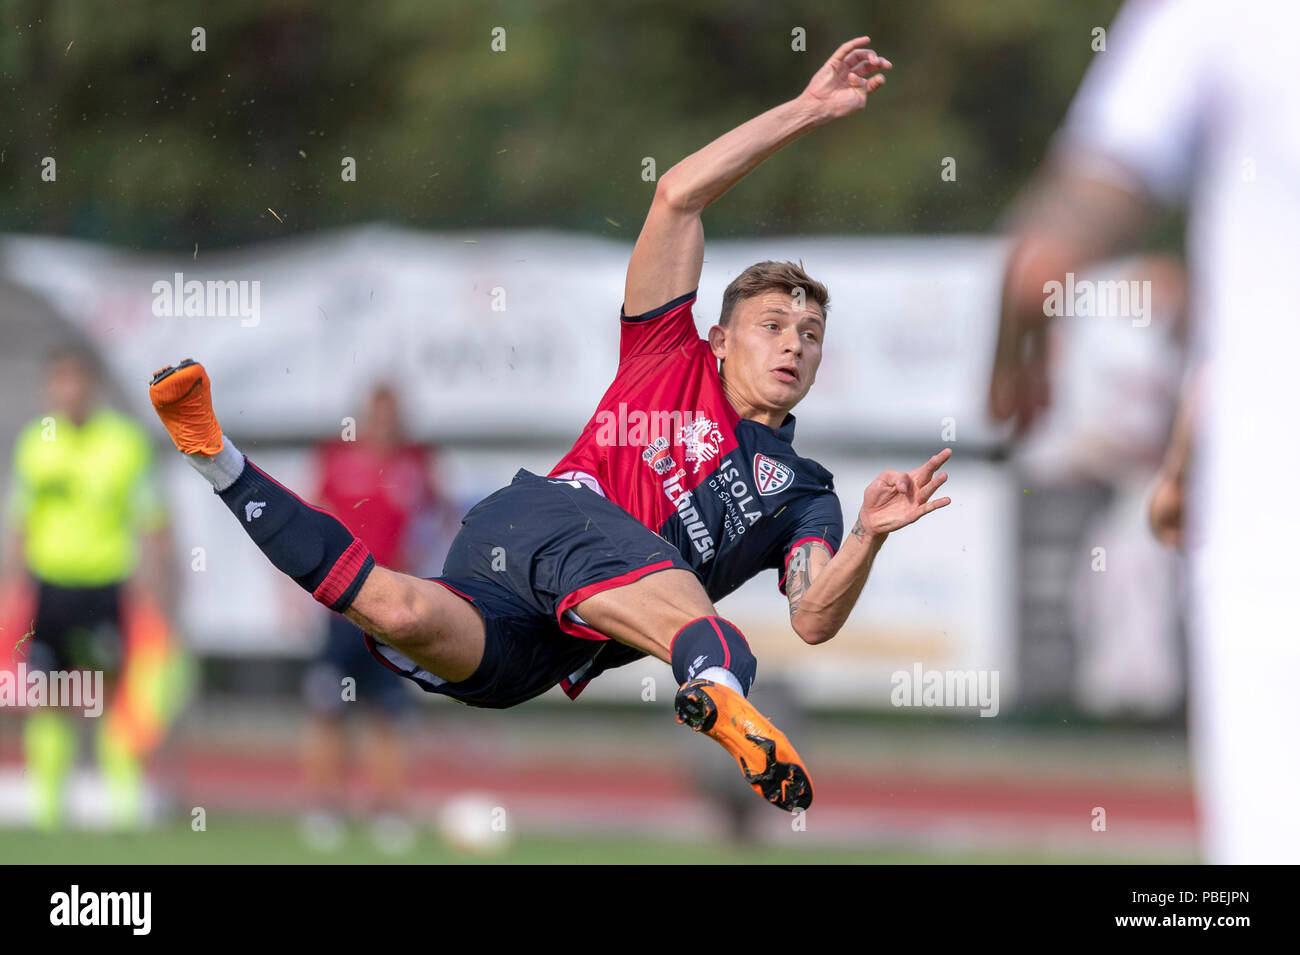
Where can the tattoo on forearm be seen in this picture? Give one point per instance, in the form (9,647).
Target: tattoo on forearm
(859,531)
(798,576)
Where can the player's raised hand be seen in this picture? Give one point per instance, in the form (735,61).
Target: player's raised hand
(897,498)
(1165,511)
(841,86)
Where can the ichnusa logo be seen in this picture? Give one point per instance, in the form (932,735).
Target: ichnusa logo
(771,477)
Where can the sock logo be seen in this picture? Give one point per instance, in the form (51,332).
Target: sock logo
(695,665)
(253,510)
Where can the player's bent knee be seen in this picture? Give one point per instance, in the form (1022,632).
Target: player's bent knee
(420,618)
(400,626)
(387,607)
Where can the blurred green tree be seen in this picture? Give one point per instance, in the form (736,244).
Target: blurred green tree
(160,146)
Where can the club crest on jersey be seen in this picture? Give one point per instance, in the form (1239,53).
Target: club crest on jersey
(771,477)
(702,442)
(656,455)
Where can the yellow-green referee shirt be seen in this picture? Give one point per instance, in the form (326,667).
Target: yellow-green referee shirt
(81,497)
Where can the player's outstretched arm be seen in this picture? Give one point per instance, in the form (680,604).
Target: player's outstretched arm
(669,253)
(1066,222)
(822,589)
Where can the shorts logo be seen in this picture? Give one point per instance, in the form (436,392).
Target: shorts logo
(702,441)
(771,477)
(656,455)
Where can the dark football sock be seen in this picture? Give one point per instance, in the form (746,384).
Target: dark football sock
(708,643)
(310,545)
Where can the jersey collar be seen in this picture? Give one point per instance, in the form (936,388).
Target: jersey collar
(64,421)
(784,433)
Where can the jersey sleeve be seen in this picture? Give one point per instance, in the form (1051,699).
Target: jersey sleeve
(819,519)
(1138,112)
(660,330)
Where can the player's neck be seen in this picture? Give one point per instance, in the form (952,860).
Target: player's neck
(770,419)
(78,416)
(767,416)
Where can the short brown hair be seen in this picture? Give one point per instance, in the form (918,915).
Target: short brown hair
(767,276)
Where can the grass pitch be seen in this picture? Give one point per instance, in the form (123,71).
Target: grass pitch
(277,842)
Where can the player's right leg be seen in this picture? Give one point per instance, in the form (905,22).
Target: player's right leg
(421,619)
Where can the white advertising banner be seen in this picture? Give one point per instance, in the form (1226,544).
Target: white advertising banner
(505,338)
(511,333)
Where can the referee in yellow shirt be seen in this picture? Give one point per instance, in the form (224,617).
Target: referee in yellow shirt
(85,524)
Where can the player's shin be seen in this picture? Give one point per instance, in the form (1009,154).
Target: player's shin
(309,544)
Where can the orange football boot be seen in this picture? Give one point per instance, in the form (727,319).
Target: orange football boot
(766,757)
(182,396)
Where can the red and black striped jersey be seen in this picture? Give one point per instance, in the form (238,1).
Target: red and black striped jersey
(666,445)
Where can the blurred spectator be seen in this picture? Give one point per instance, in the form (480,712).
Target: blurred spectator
(1192,103)
(381,485)
(1115,391)
(87,542)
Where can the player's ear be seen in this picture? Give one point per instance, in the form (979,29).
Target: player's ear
(718,342)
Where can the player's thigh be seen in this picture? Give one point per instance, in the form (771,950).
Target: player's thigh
(647,613)
(435,628)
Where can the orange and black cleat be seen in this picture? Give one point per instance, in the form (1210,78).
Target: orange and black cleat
(766,757)
(182,396)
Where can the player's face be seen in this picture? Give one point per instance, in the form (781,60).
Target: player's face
(771,350)
(71,388)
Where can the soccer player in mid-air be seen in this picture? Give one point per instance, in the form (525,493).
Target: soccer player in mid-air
(681,487)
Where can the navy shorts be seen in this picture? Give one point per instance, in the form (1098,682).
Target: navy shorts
(344,655)
(524,557)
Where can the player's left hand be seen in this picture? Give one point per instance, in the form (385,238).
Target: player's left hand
(897,498)
(1165,511)
(1020,387)
(841,86)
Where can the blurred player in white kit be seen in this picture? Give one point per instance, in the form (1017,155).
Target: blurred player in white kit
(1198,102)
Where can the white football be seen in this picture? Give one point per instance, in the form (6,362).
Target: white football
(475,823)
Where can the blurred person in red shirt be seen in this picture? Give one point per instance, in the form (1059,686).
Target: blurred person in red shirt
(383,485)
